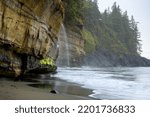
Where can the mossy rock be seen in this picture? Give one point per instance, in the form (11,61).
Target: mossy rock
(46,65)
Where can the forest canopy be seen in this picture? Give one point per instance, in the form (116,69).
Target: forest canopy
(113,30)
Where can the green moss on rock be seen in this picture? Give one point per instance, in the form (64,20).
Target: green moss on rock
(90,41)
(46,65)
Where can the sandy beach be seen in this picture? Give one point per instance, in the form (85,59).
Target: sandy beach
(20,90)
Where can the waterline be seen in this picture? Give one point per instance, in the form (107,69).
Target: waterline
(110,83)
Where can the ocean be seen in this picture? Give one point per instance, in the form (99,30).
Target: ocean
(110,83)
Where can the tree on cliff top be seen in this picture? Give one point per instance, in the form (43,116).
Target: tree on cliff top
(112,30)
(73,13)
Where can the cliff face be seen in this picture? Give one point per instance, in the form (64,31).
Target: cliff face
(28,32)
(76,42)
(71,47)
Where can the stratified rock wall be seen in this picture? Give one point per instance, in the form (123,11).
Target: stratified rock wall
(75,46)
(30,27)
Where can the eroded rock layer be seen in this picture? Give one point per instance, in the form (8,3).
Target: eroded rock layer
(28,31)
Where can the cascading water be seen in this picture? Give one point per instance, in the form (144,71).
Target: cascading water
(64,52)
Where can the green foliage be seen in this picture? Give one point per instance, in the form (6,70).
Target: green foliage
(115,32)
(48,64)
(73,11)
(47,61)
(90,41)
(112,30)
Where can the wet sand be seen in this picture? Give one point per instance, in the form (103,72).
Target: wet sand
(10,90)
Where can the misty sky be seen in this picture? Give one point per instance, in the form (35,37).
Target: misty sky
(140,10)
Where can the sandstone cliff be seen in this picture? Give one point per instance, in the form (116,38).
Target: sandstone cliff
(75,42)
(28,33)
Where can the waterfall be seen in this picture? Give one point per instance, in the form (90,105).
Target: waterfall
(64,54)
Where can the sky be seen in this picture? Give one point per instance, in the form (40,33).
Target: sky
(140,10)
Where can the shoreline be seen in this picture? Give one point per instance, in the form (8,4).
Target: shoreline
(20,90)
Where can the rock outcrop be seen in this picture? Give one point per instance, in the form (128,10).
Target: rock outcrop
(28,33)
(103,58)
(76,50)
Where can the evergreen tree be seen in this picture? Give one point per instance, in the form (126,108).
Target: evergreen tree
(73,10)
(112,30)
